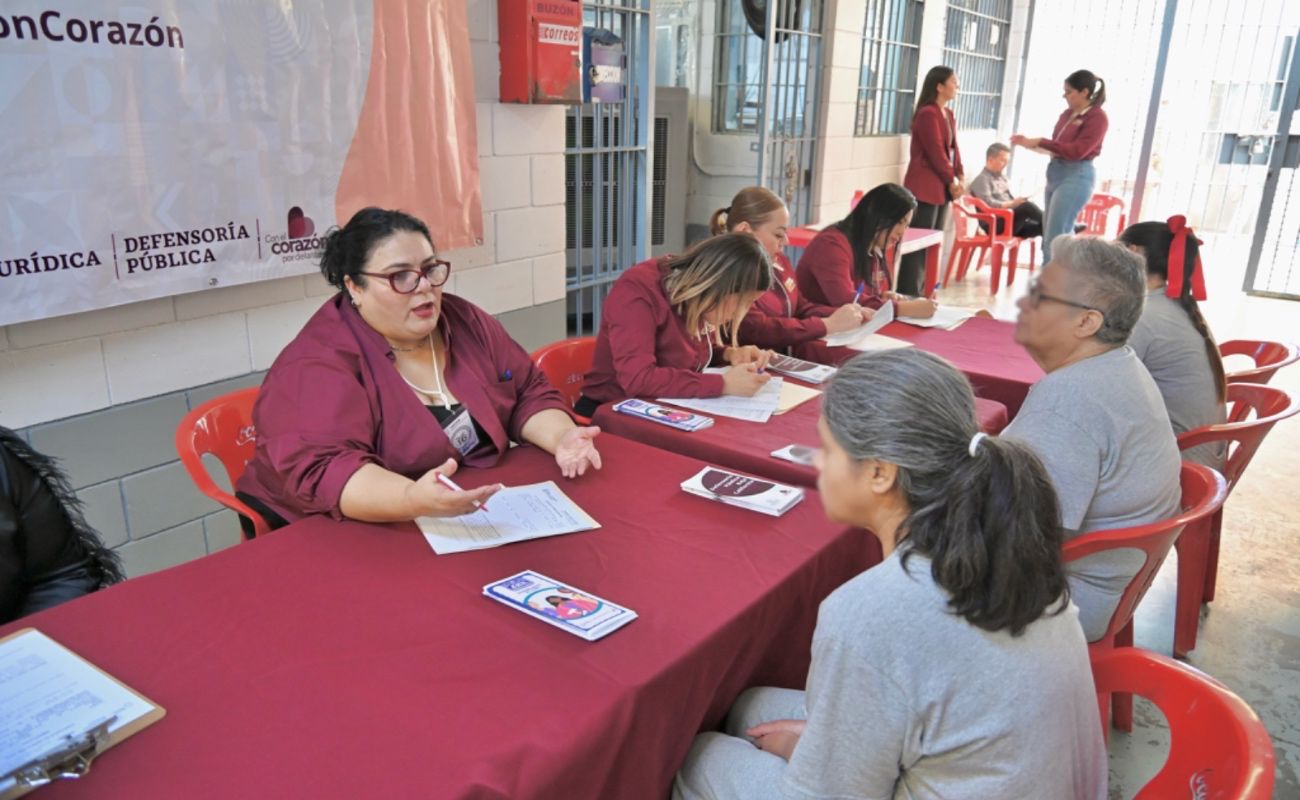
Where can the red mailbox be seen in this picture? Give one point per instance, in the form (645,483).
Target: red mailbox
(541,51)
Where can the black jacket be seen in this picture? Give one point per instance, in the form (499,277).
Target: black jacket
(48,553)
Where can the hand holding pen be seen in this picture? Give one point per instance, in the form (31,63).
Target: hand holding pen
(435,494)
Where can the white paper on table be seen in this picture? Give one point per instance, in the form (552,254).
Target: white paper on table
(793,395)
(49,693)
(758,408)
(883,316)
(946,317)
(514,514)
(878,341)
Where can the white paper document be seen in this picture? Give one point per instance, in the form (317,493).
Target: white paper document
(48,693)
(514,514)
(946,317)
(758,408)
(883,316)
(878,341)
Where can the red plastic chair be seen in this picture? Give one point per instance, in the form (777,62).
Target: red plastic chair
(1198,553)
(566,364)
(971,243)
(1008,218)
(1218,748)
(1096,213)
(1204,491)
(223,427)
(1269,357)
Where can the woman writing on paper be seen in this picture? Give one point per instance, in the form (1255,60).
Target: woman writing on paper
(391,384)
(1171,337)
(1075,142)
(845,263)
(957,666)
(782,317)
(934,171)
(665,320)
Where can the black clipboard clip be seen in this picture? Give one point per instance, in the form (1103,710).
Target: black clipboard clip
(69,761)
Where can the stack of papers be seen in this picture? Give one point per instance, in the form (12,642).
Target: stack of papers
(735,489)
(946,317)
(883,316)
(798,368)
(758,408)
(514,514)
(581,613)
(878,341)
(792,395)
(672,417)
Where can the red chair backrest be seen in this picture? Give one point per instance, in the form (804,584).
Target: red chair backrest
(1269,357)
(1204,491)
(1244,436)
(1096,213)
(566,364)
(1218,748)
(966,222)
(223,427)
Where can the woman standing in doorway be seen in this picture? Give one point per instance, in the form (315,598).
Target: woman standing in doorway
(934,174)
(1076,141)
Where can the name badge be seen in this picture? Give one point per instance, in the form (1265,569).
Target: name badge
(460,430)
(789,284)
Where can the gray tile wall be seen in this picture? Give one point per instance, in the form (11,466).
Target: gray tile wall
(123,464)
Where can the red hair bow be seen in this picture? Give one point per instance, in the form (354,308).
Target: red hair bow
(1179,272)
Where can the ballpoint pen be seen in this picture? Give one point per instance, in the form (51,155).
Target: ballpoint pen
(450,484)
(862,287)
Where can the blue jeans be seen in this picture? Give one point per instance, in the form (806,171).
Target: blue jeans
(1069,188)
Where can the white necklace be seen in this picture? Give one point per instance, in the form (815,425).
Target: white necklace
(438,393)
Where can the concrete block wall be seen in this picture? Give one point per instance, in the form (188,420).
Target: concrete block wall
(104,390)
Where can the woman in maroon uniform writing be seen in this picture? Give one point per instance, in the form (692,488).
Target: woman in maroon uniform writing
(782,317)
(666,320)
(845,263)
(390,385)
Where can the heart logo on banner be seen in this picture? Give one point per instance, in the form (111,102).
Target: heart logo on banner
(300,225)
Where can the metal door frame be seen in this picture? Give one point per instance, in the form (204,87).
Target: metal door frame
(775,133)
(1276,163)
(616,243)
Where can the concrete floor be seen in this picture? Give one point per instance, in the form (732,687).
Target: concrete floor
(1250,635)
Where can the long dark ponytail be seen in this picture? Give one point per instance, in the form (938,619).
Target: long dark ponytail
(1156,239)
(879,210)
(982,509)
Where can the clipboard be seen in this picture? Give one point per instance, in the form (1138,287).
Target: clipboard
(73,757)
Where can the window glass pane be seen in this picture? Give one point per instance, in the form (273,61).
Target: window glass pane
(891,37)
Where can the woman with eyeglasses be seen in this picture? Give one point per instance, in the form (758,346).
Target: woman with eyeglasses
(1096,419)
(391,385)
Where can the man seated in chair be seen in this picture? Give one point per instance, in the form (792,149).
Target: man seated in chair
(991,187)
(1096,419)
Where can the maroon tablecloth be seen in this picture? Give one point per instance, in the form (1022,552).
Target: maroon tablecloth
(747,446)
(998,368)
(346,660)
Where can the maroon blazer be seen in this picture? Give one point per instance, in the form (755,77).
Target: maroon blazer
(1077,138)
(936,159)
(333,401)
(643,348)
(782,316)
(825,274)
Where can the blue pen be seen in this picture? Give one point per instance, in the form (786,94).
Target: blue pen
(862,287)
(507,375)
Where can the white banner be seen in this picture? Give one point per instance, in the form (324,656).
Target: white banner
(150,149)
